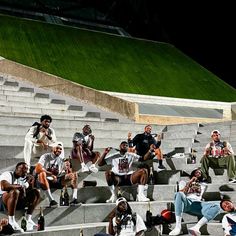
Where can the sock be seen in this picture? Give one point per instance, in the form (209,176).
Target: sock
(160,162)
(49,195)
(11,219)
(200,223)
(75,191)
(29,217)
(141,189)
(112,189)
(178,222)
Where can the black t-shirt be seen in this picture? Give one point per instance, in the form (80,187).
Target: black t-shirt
(143,142)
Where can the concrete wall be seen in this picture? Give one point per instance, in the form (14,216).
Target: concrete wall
(110,102)
(68,88)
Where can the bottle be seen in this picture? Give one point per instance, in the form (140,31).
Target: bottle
(62,198)
(119,193)
(41,220)
(177,187)
(66,197)
(149,216)
(81,232)
(151,177)
(24,223)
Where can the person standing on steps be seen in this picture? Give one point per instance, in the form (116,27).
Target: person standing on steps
(121,173)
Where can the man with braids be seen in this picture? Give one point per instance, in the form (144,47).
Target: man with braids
(125,222)
(39,139)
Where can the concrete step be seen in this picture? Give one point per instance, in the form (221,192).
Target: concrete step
(182,127)
(71,123)
(12,98)
(181,134)
(34,105)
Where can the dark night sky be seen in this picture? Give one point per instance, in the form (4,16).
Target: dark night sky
(203,32)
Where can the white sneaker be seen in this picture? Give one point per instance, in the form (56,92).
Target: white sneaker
(179,155)
(93,168)
(16,227)
(175,231)
(193,231)
(112,199)
(31,225)
(142,198)
(84,168)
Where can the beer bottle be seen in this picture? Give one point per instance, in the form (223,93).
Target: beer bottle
(81,233)
(151,177)
(23,223)
(66,197)
(41,221)
(177,187)
(119,193)
(149,216)
(62,198)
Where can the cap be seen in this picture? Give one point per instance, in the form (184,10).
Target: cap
(57,144)
(215,131)
(123,142)
(119,200)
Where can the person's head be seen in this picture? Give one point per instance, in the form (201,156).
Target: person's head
(227,205)
(215,135)
(148,129)
(67,163)
(197,173)
(46,120)
(124,146)
(87,130)
(21,169)
(57,148)
(121,204)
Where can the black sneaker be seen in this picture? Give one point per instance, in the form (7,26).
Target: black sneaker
(232,181)
(53,203)
(161,167)
(74,202)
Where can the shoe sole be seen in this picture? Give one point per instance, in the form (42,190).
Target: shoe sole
(193,233)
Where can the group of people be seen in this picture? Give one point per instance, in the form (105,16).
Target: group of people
(20,188)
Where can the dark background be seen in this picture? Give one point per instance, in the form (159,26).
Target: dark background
(205,32)
(204,29)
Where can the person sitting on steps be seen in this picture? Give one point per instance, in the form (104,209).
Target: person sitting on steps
(18,192)
(121,173)
(218,154)
(189,200)
(83,149)
(52,172)
(142,142)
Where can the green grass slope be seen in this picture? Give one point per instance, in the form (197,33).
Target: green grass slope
(107,62)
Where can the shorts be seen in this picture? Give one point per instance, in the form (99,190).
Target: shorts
(124,180)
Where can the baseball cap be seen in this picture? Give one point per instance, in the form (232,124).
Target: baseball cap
(119,200)
(57,144)
(215,131)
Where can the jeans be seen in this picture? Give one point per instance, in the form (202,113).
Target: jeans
(209,210)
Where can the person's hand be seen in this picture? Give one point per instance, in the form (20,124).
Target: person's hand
(152,147)
(69,176)
(3,222)
(92,137)
(54,178)
(108,149)
(129,135)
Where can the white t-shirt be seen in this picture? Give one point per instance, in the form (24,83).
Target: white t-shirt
(121,164)
(8,177)
(196,190)
(229,223)
(49,160)
(130,229)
